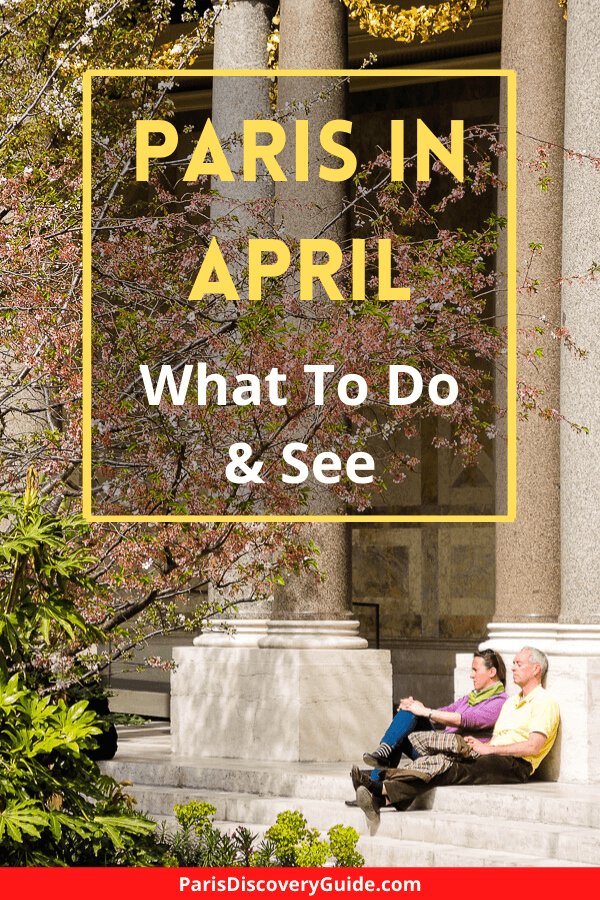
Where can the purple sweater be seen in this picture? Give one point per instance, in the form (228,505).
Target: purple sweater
(478,720)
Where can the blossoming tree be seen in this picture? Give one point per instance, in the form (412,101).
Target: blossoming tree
(165,460)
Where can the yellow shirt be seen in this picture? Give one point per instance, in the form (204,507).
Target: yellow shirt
(520,716)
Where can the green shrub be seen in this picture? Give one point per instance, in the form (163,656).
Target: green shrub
(56,808)
(199,843)
(342,840)
(292,839)
(43,566)
(289,842)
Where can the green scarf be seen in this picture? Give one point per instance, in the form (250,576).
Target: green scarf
(476,697)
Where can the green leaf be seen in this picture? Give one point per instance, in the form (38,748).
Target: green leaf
(22,817)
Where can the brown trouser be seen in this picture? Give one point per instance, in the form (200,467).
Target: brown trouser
(484,770)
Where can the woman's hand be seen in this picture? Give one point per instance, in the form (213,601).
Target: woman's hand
(405,703)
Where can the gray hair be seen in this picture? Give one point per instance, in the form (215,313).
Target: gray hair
(536,656)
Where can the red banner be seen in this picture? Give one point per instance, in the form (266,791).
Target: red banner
(168,884)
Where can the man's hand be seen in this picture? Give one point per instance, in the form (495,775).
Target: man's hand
(531,747)
(480,747)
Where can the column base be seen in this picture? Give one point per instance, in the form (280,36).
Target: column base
(554,638)
(288,705)
(573,653)
(292,634)
(232,633)
(313,634)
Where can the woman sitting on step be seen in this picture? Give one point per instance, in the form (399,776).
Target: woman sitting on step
(474,714)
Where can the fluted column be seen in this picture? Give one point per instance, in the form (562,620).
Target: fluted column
(528,550)
(580,381)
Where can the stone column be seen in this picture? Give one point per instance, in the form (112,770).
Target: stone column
(575,659)
(314,36)
(241,33)
(532,552)
(580,382)
(233,100)
(250,20)
(528,550)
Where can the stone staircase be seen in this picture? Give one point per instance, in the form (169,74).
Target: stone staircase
(540,824)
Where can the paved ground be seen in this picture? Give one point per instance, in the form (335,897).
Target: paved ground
(152,744)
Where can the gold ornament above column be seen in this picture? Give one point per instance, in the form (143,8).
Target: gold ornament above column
(421,23)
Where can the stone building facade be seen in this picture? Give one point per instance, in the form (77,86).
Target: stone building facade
(436,590)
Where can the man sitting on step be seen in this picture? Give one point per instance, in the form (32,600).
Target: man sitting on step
(523,735)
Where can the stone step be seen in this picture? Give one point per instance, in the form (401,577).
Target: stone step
(545,802)
(536,824)
(266,780)
(421,829)
(382,851)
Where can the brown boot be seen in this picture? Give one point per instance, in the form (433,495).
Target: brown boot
(359,777)
(370,805)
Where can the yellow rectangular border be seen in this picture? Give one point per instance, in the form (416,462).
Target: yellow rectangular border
(511,83)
